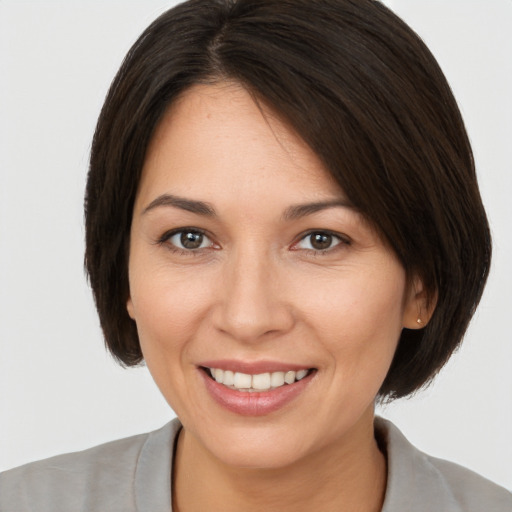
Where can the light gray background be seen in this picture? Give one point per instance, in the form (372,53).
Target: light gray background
(59,390)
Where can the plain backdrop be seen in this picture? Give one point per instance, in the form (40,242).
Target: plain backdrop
(59,390)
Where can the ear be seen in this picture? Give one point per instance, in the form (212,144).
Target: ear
(130,309)
(418,307)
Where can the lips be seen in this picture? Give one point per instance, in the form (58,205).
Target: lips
(254,389)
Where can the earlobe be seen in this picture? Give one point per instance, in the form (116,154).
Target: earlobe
(419,306)
(129,308)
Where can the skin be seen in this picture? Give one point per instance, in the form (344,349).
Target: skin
(257,289)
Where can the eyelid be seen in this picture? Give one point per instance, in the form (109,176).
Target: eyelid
(171,232)
(343,240)
(167,235)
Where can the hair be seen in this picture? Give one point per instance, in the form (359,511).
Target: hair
(364,92)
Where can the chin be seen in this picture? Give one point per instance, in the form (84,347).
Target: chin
(254,458)
(257,447)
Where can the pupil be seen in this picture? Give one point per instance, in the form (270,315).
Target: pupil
(191,240)
(321,241)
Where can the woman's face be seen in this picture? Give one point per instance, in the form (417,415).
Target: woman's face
(247,258)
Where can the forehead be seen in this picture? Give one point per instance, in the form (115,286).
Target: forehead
(219,133)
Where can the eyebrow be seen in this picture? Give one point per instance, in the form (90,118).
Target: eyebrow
(190,205)
(206,209)
(302,210)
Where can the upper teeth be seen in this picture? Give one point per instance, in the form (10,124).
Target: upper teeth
(259,382)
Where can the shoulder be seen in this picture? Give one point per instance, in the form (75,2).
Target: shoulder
(104,477)
(419,482)
(471,490)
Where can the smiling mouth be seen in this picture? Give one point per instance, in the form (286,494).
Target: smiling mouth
(256,383)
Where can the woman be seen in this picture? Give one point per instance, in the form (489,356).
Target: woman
(283,221)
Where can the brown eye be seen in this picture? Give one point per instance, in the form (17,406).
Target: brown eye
(321,241)
(188,239)
(191,239)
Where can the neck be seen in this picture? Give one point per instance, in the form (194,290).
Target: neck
(351,476)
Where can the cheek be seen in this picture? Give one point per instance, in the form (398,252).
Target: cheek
(168,310)
(358,320)
(167,307)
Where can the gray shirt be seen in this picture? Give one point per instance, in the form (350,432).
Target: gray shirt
(134,475)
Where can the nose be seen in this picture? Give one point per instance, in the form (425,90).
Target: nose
(253,305)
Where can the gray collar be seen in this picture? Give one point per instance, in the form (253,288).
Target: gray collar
(414,483)
(154,466)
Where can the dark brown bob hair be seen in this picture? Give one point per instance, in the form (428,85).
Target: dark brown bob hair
(364,92)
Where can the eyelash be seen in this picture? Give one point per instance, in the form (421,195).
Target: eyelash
(342,241)
(166,237)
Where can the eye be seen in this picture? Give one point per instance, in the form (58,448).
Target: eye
(187,239)
(319,241)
